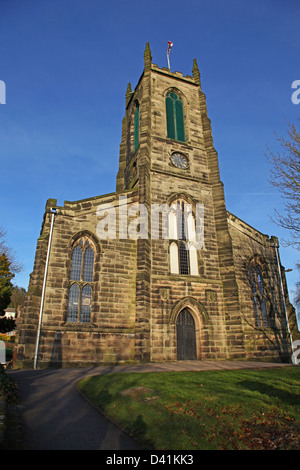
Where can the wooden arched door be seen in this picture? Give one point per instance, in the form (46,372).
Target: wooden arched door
(186,336)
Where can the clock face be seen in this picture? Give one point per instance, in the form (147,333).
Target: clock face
(179,160)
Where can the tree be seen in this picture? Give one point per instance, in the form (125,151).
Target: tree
(7,325)
(5,282)
(15,265)
(297,293)
(285,176)
(17,297)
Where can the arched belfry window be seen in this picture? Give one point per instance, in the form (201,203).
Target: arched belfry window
(258,290)
(175,117)
(81,281)
(183,251)
(136,132)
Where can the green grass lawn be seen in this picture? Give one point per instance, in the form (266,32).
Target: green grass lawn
(236,409)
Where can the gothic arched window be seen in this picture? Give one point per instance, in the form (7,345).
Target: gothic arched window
(81,281)
(183,252)
(175,117)
(258,294)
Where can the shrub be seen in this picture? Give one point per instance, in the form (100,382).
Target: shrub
(8,388)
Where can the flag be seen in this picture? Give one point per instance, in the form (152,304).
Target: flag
(170,44)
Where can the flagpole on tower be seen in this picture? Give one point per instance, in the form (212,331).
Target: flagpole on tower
(170,44)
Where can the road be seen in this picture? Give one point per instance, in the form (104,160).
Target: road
(55,416)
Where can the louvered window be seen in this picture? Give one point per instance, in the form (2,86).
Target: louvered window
(175,117)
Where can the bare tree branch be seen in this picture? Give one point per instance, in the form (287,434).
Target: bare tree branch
(15,265)
(285,176)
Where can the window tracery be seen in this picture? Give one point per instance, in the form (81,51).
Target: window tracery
(258,290)
(183,252)
(81,281)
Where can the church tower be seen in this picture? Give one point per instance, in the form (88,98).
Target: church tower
(167,152)
(176,276)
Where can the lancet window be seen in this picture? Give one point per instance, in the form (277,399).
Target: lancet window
(175,117)
(81,281)
(258,290)
(182,235)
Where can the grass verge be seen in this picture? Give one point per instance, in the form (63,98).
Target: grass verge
(212,410)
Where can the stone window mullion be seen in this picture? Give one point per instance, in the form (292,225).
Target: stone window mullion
(83,277)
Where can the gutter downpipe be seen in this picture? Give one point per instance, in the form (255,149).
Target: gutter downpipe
(53,211)
(283,295)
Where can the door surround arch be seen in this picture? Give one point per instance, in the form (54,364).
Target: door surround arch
(201,320)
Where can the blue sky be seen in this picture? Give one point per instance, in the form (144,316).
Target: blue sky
(66,65)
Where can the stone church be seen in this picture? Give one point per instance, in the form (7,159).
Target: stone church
(158,270)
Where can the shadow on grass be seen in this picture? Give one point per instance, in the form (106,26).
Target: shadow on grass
(139,431)
(271,391)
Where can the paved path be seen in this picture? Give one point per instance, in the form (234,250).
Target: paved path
(56,417)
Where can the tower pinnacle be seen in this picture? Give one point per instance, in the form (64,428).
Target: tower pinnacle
(147,57)
(196,73)
(128,93)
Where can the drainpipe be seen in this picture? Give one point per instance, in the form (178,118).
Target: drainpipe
(283,295)
(53,211)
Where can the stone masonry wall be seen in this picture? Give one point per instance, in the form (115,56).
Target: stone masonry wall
(110,335)
(218,326)
(273,342)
